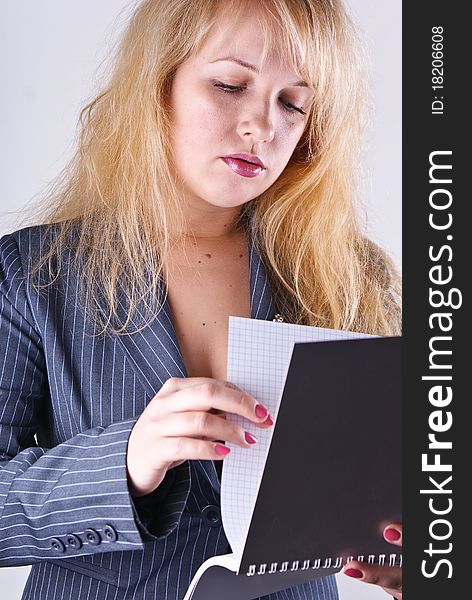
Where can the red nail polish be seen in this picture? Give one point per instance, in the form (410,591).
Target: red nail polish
(250,439)
(269,421)
(353,573)
(392,535)
(261,411)
(222,450)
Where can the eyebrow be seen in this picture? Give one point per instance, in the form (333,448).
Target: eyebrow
(247,65)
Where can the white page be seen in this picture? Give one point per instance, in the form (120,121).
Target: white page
(259,355)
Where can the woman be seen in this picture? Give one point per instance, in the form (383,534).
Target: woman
(214,177)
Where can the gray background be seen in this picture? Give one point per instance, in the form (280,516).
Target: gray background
(52,52)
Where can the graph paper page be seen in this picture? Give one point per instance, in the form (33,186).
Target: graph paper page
(259,355)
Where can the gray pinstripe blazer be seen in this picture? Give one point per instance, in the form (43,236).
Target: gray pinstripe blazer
(64,502)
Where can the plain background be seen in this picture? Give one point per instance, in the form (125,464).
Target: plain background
(52,52)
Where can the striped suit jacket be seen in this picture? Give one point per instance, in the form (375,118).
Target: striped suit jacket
(68,402)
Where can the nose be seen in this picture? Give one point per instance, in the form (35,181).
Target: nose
(256,125)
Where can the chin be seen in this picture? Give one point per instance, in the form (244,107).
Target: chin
(229,198)
(229,203)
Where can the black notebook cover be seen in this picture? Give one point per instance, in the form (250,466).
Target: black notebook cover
(332,479)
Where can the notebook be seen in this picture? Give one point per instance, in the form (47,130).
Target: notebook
(319,487)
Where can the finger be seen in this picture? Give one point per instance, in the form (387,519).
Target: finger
(269,422)
(386,577)
(174,384)
(176,450)
(219,413)
(203,425)
(211,394)
(265,425)
(393,533)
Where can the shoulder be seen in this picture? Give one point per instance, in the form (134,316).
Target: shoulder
(380,269)
(16,252)
(15,248)
(379,263)
(19,252)
(22,253)
(23,246)
(37,245)
(384,276)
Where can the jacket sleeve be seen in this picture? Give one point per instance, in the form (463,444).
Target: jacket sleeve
(72,499)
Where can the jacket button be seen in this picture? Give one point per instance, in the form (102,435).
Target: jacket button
(73,541)
(109,533)
(92,537)
(212,516)
(57,545)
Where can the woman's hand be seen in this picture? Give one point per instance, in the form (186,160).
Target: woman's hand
(388,578)
(179,424)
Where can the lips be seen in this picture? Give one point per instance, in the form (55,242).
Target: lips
(244,165)
(250,158)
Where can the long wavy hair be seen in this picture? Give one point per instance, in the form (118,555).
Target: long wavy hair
(114,205)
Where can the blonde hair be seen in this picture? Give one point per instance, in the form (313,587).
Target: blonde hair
(114,205)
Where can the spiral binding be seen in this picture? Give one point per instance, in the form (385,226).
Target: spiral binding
(391,560)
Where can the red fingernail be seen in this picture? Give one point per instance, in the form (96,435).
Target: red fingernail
(353,573)
(269,421)
(392,535)
(222,450)
(261,411)
(250,439)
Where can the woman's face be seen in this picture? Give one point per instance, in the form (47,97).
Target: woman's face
(224,104)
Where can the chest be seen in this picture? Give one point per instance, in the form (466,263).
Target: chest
(202,292)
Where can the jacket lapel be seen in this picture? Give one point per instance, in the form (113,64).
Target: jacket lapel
(154,353)
(262,303)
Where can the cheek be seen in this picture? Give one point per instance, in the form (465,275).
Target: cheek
(290,134)
(201,124)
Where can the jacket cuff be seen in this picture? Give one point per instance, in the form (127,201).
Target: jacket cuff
(157,514)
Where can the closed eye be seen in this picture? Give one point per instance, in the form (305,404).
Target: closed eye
(232,89)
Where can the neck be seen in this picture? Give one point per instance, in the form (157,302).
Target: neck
(212,223)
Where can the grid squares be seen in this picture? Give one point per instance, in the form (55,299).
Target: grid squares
(259,355)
